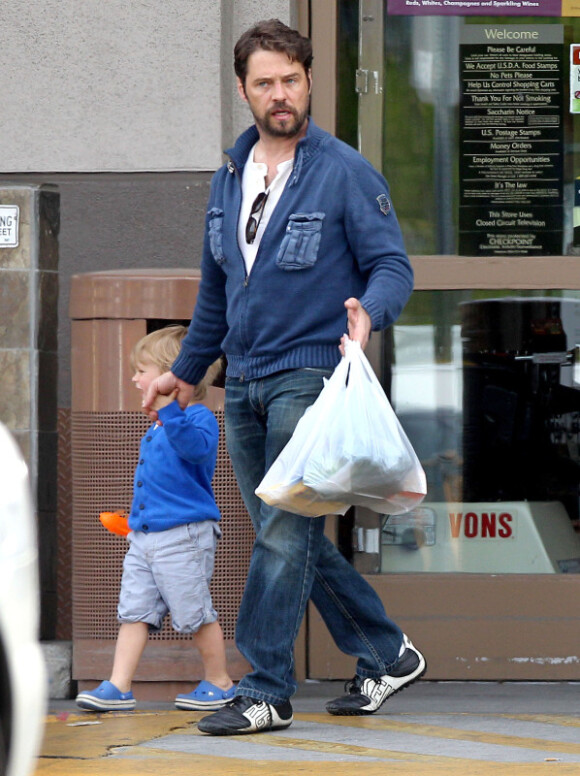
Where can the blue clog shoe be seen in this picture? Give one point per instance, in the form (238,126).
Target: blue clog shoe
(106,697)
(205,696)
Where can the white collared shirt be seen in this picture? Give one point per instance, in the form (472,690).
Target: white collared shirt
(253,182)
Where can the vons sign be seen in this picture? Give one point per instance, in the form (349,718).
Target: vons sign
(482,525)
(484,537)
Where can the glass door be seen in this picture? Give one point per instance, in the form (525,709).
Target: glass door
(472,120)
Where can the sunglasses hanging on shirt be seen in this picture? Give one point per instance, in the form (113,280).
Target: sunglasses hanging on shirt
(255,217)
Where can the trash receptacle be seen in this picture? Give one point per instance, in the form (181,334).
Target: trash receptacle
(109,312)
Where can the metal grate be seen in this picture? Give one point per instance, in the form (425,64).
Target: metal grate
(105,446)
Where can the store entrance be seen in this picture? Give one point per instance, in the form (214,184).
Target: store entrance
(485,575)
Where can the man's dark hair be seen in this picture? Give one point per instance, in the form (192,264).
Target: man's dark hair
(271,35)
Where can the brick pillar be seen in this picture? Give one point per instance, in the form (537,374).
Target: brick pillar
(29,222)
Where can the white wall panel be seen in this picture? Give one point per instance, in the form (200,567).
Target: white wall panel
(110,86)
(146,85)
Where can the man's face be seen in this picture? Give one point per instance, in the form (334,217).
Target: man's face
(277,91)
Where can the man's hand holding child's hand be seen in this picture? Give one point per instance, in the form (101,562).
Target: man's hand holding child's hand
(161,400)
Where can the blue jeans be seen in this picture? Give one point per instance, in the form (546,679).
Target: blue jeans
(292,560)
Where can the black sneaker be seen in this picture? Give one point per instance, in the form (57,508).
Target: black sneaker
(247,715)
(365,696)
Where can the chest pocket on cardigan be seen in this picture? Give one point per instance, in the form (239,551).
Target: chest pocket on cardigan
(215,234)
(299,248)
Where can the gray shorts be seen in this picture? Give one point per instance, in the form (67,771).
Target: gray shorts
(170,571)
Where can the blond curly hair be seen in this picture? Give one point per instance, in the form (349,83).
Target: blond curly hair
(161,347)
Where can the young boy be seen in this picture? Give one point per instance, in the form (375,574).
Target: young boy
(174,531)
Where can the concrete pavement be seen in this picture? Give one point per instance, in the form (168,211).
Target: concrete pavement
(445,728)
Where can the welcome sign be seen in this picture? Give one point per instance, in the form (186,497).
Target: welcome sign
(511,140)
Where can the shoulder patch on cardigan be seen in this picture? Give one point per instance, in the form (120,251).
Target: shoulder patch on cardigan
(384,204)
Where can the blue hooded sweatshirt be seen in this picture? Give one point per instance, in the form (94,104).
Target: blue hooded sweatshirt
(332,235)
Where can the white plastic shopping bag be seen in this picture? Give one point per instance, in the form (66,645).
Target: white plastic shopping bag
(348,449)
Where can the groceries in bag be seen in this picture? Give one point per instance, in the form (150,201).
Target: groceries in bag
(348,449)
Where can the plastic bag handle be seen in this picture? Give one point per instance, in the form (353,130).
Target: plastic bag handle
(355,356)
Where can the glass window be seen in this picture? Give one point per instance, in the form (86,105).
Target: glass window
(444,132)
(485,383)
(487,388)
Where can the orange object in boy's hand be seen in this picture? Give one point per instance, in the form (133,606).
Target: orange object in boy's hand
(115,522)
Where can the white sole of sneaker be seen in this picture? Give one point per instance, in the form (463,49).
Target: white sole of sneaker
(200,705)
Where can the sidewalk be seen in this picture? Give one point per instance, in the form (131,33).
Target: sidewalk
(446,728)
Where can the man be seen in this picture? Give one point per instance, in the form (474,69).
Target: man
(301,242)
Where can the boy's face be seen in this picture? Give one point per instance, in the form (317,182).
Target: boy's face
(144,375)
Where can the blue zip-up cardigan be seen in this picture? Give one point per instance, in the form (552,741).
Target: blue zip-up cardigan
(332,235)
(172,483)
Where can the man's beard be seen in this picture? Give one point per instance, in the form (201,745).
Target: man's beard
(288,128)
